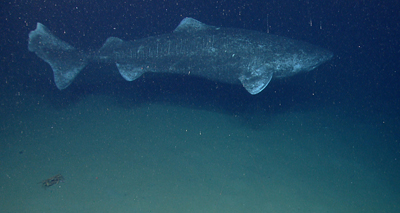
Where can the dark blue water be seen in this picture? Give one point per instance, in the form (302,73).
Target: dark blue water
(350,104)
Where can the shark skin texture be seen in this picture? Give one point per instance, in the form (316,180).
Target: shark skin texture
(229,55)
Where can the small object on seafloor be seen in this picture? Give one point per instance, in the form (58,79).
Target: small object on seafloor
(51,181)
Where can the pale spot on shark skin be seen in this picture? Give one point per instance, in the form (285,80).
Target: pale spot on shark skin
(297,67)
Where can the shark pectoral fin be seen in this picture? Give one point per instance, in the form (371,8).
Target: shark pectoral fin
(130,71)
(255,82)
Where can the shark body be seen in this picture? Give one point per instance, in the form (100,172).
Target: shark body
(227,55)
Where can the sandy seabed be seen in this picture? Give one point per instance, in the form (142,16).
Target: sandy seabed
(165,158)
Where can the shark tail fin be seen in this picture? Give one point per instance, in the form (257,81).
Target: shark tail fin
(65,60)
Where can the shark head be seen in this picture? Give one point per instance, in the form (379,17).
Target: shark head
(292,59)
(302,59)
(313,58)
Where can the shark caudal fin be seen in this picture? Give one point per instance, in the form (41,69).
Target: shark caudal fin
(65,60)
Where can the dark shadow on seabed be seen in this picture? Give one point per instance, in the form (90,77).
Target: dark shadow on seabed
(186,91)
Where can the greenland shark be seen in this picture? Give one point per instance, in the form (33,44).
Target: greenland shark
(227,55)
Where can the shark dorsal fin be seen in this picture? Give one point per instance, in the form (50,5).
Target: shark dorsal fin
(191,25)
